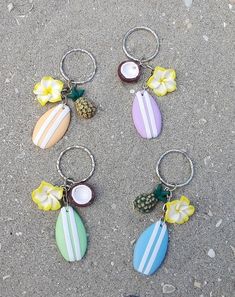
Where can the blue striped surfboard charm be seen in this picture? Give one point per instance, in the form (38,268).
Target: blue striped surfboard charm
(150,248)
(70,234)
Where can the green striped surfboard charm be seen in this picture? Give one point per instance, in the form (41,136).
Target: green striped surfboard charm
(70,233)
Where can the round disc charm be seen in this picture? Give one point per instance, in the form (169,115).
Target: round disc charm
(129,71)
(81,195)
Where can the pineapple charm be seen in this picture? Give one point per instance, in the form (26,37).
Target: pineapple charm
(145,203)
(85,109)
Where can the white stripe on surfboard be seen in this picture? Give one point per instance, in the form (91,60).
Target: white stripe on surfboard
(151,114)
(67,235)
(144,115)
(75,236)
(46,123)
(148,247)
(54,127)
(156,250)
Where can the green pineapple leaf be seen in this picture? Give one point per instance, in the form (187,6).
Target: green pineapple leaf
(160,193)
(75,93)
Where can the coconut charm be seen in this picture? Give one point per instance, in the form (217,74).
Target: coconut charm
(129,71)
(81,195)
(85,108)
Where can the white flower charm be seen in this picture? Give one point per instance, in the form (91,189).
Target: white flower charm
(48,90)
(47,196)
(162,81)
(179,211)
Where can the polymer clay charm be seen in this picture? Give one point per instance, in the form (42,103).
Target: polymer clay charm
(52,125)
(151,247)
(145,203)
(70,232)
(146,114)
(129,71)
(81,195)
(85,108)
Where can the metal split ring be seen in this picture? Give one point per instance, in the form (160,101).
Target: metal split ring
(71,180)
(173,186)
(65,76)
(130,56)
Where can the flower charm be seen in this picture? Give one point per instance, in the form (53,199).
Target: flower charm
(162,81)
(48,90)
(179,211)
(47,196)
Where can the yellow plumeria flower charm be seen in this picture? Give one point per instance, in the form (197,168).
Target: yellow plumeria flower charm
(48,90)
(47,196)
(179,211)
(162,81)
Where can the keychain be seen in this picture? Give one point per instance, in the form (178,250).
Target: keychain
(70,232)
(151,247)
(53,124)
(145,111)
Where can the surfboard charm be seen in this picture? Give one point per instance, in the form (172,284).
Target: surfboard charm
(70,233)
(51,126)
(150,249)
(146,115)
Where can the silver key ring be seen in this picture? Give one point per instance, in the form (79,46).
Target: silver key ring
(65,76)
(130,56)
(171,185)
(71,180)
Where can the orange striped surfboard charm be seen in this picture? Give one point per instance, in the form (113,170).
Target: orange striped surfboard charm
(51,126)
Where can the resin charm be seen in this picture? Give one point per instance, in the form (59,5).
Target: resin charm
(150,249)
(70,235)
(51,126)
(146,115)
(81,195)
(129,71)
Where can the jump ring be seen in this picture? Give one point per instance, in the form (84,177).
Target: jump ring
(130,56)
(65,76)
(172,185)
(71,180)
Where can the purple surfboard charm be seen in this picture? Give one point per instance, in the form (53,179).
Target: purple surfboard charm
(146,115)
